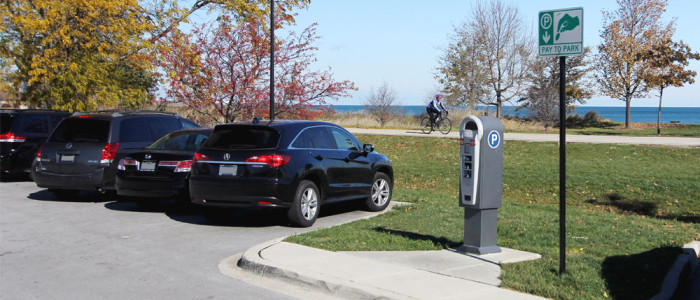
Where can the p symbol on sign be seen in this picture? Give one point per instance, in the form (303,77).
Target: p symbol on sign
(494,139)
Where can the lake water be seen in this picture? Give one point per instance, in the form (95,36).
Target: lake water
(686,115)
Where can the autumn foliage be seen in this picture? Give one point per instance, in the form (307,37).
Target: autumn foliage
(91,54)
(222,70)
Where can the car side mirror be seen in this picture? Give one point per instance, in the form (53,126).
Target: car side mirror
(367,148)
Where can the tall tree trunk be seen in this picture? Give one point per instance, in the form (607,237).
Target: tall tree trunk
(658,117)
(498,105)
(628,101)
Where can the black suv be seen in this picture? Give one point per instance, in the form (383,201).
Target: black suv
(22,131)
(82,153)
(293,165)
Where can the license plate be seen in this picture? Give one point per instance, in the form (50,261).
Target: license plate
(229,170)
(67,158)
(148,166)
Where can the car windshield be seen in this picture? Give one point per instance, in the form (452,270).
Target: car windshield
(180,141)
(243,137)
(81,130)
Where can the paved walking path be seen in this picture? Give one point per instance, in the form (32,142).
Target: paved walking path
(441,274)
(533,137)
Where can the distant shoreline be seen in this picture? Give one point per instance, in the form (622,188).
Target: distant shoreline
(639,114)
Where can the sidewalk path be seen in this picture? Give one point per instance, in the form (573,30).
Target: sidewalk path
(375,275)
(532,137)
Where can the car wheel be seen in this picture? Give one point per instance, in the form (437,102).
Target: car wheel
(64,194)
(380,195)
(305,207)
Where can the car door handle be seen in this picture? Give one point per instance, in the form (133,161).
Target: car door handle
(319,157)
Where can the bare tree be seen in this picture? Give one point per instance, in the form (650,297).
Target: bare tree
(505,44)
(382,104)
(542,95)
(462,72)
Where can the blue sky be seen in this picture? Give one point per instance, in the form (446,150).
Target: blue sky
(399,42)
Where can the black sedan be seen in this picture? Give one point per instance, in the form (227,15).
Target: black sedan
(162,169)
(293,165)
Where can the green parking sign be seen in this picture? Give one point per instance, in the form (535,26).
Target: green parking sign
(561,32)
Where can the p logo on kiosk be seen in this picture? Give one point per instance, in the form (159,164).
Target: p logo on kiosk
(481,181)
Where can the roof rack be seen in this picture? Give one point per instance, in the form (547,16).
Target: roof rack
(117,112)
(33,109)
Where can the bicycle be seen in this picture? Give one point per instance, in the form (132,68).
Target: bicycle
(444,124)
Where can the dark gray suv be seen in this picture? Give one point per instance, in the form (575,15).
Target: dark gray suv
(84,150)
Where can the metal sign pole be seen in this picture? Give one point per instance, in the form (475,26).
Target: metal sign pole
(272,60)
(562,164)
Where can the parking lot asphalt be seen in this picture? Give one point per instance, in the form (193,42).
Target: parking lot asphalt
(93,247)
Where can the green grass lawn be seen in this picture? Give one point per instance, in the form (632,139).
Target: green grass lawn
(684,130)
(630,209)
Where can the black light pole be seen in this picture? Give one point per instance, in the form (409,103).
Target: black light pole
(272,60)
(562,164)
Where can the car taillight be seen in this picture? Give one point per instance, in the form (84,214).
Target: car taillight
(180,166)
(109,152)
(10,137)
(199,157)
(38,153)
(127,162)
(272,160)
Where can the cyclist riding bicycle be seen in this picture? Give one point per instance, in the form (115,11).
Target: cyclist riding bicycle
(433,109)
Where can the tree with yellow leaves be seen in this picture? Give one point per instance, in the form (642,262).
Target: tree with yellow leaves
(633,28)
(87,54)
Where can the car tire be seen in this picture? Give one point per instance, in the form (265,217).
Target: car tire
(381,192)
(306,205)
(64,194)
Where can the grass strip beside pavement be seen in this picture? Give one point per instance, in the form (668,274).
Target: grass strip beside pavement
(630,210)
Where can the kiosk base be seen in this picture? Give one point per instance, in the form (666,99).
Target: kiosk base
(480,231)
(478,250)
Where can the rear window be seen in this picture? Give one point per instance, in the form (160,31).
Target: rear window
(180,141)
(133,130)
(35,123)
(243,137)
(5,122)
(160,126)
(81,130)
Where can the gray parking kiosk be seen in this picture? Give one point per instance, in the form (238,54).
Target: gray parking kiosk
(481,182)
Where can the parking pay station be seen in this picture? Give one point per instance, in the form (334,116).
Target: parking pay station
(481,182)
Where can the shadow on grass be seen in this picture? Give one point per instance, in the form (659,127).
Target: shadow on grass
(638,276)
(437,241)
(644,208)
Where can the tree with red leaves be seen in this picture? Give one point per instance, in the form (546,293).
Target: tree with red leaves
(221,71)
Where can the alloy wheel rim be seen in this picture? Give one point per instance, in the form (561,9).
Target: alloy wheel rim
(380,192)
(309,204)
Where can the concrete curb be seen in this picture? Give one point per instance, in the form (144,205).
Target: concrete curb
(251,261)
(679,280)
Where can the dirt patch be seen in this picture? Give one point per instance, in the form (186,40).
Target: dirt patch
(653,125)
